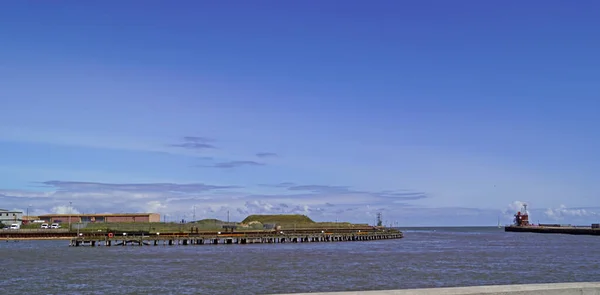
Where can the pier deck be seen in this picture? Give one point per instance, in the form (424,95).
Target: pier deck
(554,230)
(230,238)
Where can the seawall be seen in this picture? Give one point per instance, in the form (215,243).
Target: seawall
(554,230)
(588,288)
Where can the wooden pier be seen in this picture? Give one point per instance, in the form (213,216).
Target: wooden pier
(230,238)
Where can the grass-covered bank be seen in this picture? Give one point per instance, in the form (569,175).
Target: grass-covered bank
(252,222)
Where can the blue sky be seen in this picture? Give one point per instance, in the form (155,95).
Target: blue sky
(431,112)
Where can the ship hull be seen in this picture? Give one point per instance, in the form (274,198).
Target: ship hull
(554,230)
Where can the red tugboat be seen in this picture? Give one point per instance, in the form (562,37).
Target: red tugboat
(522,219)
(521,224)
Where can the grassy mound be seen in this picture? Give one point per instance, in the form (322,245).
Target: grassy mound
(209,221)
(278,218)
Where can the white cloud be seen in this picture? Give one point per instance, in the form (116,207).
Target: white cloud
(176,202)
(512,209)
(24,193)
(563,212)
(64,210)
(155,206)
(515,207)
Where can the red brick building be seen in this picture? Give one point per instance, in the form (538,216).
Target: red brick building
(118,217)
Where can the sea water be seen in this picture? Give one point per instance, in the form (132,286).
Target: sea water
(425,257)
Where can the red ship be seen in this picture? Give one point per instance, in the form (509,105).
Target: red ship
(522,219)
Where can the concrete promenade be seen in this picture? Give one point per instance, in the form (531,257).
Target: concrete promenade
(588,288)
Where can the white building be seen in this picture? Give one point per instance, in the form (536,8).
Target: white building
(9,217)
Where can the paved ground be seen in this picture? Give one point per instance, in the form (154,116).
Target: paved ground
(590,288)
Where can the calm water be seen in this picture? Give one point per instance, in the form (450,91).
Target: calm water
(424,258)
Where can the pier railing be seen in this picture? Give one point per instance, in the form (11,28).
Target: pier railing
(231,238)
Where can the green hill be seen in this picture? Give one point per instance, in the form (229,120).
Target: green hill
(209,221)
(278,218)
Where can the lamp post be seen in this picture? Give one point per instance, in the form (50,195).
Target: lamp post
(27,214)
(70,203)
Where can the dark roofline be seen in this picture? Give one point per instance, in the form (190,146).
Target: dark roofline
(97,215)
(11,211)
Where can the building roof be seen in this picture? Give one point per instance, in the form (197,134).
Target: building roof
(97,215)
(11,211)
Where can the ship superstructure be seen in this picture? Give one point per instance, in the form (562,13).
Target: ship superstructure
(522,218)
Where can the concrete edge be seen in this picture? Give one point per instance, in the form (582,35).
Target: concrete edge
(569,288)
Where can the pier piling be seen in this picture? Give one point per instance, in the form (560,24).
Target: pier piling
(234,238)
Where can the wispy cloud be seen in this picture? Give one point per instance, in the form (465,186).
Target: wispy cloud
(514,207)
(279,185)
(262,207)
(195,143)
(116,197)
(233,164)
(146,187)
(563,212)
(63,209)
(320,202)
(329,201)
(315,188)
(23,193)
(266,155)
(329,189)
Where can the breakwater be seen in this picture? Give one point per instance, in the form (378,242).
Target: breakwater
(554,230)
(586,288)
(231,238)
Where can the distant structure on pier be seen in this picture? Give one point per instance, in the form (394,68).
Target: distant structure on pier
(522,218)
(8,217)
(107,217)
